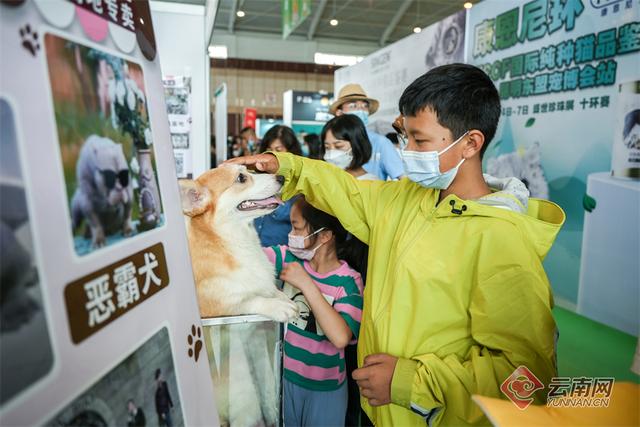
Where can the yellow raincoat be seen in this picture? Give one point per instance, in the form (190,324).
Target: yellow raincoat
(456,291)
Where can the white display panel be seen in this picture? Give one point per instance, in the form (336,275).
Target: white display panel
(609,289)
(108,301)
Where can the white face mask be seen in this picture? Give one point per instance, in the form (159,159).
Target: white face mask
(340,158)
(423,167)
(297,246)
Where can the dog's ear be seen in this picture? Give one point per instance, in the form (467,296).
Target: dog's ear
(194,197)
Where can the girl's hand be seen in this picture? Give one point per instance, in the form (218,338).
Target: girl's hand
(295,274)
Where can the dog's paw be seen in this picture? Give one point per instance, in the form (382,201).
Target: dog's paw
(284,311)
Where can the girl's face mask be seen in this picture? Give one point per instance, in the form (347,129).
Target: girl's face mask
(297,246)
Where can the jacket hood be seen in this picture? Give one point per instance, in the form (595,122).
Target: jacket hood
(507,193)
(539,220)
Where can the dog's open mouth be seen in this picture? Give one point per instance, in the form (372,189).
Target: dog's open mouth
(268,203)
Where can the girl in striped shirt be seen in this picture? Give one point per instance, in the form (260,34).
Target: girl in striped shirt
(329,295)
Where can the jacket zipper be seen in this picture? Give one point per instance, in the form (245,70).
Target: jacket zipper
(404,251)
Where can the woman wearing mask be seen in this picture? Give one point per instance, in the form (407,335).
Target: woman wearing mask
(273,229)
(346,145)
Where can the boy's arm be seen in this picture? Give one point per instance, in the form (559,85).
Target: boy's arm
(512,324)
(332,190)
(325,186)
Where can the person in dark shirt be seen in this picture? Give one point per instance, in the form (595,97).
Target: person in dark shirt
(136,415)
(163,401)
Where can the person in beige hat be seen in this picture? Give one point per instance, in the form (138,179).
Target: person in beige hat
(385,161)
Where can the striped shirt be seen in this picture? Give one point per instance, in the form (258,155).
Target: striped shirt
(310,359)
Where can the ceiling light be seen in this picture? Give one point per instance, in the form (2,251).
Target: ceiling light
(468,5)
(333,22)
(417,30)
(218,51)
(240,13)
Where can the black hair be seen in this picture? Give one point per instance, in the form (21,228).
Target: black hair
(348,247)
(157,373)
(246,128)
(630,120)
(285,135)
(350,128)
(462,97)
(315,145)
(393,137)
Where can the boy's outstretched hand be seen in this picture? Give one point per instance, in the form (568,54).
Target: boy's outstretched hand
(261,162)
(374,378)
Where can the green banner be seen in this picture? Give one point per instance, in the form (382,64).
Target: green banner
(294,12)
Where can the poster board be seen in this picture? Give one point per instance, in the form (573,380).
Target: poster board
(93,304)
(177,95)
(220,123)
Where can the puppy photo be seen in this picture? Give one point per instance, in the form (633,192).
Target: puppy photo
(232,274)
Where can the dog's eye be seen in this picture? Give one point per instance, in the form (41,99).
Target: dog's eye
(242,178)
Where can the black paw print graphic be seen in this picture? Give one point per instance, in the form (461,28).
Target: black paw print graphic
(29,39)
(195,342)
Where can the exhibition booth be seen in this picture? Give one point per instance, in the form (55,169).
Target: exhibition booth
(99,304)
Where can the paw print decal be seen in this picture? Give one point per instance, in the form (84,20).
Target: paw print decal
(29,40)
(195,342)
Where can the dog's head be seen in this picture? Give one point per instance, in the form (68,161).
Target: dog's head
(231,190)
(111,174)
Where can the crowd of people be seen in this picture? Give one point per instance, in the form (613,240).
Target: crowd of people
(399,245)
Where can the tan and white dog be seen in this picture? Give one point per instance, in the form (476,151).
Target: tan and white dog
(233,276)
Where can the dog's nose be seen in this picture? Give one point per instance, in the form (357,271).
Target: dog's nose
(280,179)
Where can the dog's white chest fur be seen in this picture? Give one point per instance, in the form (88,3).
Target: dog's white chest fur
(255,270)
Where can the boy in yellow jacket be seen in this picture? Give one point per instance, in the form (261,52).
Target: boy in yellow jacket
(456,296)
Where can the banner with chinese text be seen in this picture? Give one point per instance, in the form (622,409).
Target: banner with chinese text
(558,65)
(294,12)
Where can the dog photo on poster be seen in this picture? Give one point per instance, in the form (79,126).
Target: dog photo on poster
(25,354)
(106,144)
